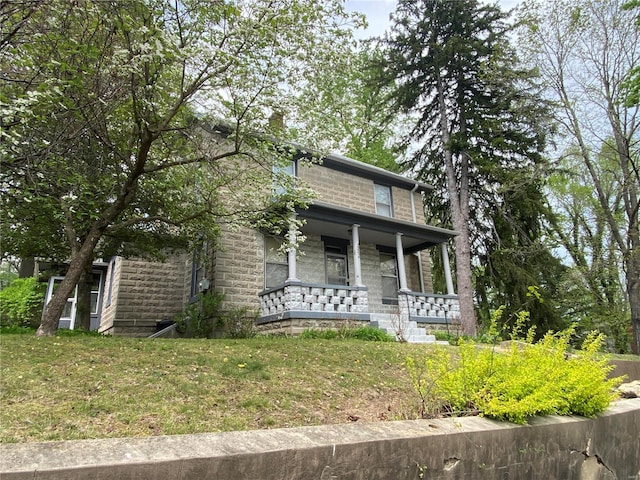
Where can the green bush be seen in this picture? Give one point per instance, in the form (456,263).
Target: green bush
(205,318)
(527,380)
(21,303)
(369,334)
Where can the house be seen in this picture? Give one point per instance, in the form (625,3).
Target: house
(364,259)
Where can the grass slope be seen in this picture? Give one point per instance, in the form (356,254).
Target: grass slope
(83,387)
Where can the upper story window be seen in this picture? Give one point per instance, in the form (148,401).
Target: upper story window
(281,171)
(276,268)
(384,204)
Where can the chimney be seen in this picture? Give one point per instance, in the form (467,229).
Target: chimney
(276,121)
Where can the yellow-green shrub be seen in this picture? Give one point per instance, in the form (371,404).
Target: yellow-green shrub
(528,379)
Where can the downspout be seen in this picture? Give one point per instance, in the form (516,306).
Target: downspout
(417,254)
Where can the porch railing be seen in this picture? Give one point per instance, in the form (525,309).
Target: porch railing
(313,298)
(430,307)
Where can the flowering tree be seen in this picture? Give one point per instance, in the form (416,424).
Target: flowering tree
(107,113)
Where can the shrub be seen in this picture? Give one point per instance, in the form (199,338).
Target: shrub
(21,303)
(201,318)
(238,323)
(205,318)
(528,379)
(370,334)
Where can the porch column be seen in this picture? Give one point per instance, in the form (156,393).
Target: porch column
(356,254)
(402,275)
(291,249)
(447,269)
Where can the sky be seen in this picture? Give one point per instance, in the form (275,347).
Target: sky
(377,12)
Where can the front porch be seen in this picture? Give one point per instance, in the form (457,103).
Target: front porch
(297,306)
(382,271)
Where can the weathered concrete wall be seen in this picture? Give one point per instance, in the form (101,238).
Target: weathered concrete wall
(472,448)
(625,367)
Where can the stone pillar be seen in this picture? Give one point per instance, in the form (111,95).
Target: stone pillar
(291,250)
(402,274)
(447,269)
(356,254)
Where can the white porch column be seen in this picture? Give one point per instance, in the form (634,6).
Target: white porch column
(402,275)
(356,254)
(447,269)
(291,250)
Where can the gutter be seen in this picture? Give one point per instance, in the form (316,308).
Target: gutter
(417,254)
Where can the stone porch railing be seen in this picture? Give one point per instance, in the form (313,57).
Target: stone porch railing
(313,299)
(430,307)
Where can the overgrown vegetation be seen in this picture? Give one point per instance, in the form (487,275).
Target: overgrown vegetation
(370,334)
(206,318)
(524,380)
(21,303)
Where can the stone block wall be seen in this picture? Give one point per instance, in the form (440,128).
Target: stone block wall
(145,293)
(238,268)
(357,193)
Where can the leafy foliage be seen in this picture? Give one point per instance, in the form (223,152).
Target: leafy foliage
(21,303)
(207,318)
(585,51)
(526,380)
(369,334)
(129,127)
(479,129)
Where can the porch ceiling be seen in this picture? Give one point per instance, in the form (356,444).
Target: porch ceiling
(326,219)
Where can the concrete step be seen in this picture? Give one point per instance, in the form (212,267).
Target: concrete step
(407,331)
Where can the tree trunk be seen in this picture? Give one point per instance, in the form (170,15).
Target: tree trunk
(633,290)
(459,201)
(83,305)
(79,262)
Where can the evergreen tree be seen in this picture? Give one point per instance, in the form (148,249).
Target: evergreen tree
(479,129)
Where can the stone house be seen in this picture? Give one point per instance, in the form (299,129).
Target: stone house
(365,259)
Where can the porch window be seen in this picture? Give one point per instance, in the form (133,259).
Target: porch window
(389,273)
(384,205)
(336,264)
(276,268)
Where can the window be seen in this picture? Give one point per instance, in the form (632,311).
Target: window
(389,273)
(336,263)
(280,170)
(96,285)
(384,204)
(276,269)
(111,270)
(199,282)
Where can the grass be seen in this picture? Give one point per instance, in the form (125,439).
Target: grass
(80,387)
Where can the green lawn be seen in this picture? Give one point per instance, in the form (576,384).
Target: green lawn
(78,387)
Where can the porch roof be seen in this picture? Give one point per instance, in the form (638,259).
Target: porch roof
(334,221)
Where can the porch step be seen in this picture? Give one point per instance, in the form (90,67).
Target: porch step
(407,331)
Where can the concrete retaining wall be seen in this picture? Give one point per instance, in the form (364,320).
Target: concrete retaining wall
(607,447)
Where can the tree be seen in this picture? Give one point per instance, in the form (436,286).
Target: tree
(111,130)
(593,293)
(631,84)
(476,118)
(584,51)
(351,109)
